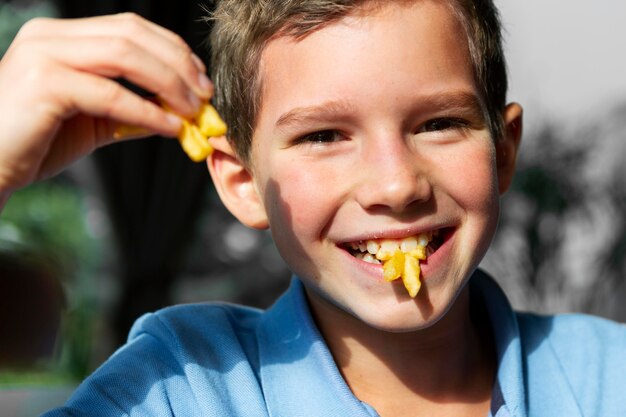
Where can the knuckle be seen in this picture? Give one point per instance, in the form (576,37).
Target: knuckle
(112,95)
(36,75)
(32,27)
(132,24)
(180,42)
(151,111)
(189,67)
(172,82)
(129,16)
(121,47)
(183,57)
(35,68)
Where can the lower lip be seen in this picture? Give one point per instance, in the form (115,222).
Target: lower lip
(431,263)
(374,270)
(427,266)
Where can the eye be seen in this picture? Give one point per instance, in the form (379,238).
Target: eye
(441,124)
(323,136)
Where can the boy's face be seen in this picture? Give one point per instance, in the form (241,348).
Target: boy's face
(372,128)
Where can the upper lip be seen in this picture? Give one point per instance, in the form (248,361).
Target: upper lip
(393,234)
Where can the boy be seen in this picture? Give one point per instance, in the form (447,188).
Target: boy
(358,122)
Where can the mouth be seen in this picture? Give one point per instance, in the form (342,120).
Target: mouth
(376,251)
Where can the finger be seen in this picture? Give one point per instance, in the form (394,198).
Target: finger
(93,26)
(109,100)
(94,55)
(162,43)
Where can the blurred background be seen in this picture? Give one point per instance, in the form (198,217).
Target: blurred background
(137,226)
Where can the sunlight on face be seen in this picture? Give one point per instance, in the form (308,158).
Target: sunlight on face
(372,128)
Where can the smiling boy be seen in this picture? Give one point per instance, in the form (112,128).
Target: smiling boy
(358,122)
(373,128)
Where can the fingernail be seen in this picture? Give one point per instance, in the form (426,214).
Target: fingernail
(174,121)
(198,63)
(205,83)
(194,100)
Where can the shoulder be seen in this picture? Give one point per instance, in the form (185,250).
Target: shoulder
(178,361)
(199,317)
(192,360)
(583,357)
(183,328)
(574,332)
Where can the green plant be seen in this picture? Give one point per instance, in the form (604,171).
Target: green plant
(13,17)
(47,222)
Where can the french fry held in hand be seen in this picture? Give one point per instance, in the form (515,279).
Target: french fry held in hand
(194,136)
(404,263)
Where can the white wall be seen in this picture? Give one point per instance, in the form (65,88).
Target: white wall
(567,59)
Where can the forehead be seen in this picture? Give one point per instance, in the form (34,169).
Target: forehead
(383,48)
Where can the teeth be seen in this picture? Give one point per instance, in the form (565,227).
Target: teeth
(423,239)
(408,244)
(374,251)
(389,246)
(368,257)
(372,247)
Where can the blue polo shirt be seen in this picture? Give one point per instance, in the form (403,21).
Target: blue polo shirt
(219,359)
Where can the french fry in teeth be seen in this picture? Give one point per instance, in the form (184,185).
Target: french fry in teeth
(403,262)
(411,275)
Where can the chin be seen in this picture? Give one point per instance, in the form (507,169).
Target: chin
(399,315)
(396,326)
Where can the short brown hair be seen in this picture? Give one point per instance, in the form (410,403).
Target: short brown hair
(241,29)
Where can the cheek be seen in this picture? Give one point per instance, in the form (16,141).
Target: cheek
(300,209)
(301,199)
(474,185)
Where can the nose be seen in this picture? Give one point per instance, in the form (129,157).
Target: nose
(393,177)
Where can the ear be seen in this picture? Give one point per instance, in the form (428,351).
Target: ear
(235,185)
(508,145)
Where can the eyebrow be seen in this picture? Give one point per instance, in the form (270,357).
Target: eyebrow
(452,100)
(455,100)
(311,114)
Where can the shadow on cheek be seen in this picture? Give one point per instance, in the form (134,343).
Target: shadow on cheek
(287,241)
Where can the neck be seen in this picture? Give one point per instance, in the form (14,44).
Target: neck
(451,362)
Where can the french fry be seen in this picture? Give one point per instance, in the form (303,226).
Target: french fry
(194,143)
(419,253)
(193,136)
(127,131)
(405,265)
(393,267)
(209,122)
(411,275)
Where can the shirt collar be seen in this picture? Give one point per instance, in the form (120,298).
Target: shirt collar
(510,376)
(530,376)
(299,375)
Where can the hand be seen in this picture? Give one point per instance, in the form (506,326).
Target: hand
(58,100)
